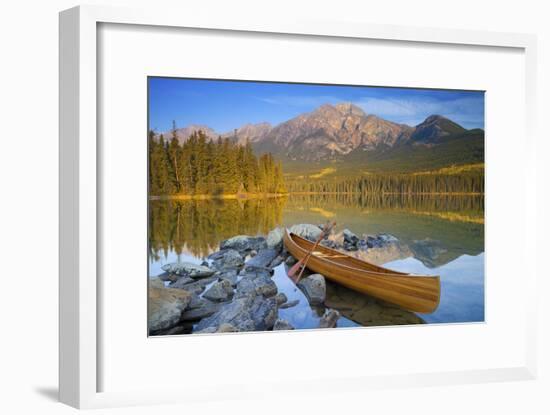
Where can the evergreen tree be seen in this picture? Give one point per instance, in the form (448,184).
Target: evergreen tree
(230,171)
(201,166)
(250,168)
(218,168)
(174,155)
(159,166)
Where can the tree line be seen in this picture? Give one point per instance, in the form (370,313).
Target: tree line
(471,204)
(201,166)
(466,182)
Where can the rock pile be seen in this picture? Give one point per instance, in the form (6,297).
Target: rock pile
(233,290)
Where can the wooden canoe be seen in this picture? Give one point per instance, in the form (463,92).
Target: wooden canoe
(418,293)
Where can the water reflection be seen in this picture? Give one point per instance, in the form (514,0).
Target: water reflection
(198,226)
(462,288)
(434,229)
(441,235)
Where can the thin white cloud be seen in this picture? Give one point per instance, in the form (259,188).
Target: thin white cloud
(465,110)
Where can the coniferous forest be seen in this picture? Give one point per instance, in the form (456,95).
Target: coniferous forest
(213,168)
(201,166)
(428,183)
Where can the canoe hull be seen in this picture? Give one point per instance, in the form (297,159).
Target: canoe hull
(415,293)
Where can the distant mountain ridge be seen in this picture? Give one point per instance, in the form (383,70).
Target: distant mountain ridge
(345,132)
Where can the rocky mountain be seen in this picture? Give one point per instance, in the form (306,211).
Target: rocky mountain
(434,128)
(338,132)
(183,134)
(252,132)
(332,131)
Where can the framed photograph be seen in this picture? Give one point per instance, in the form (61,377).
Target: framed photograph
(283,201)
(237,237)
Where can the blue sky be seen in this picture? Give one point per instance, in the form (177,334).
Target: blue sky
(225,105)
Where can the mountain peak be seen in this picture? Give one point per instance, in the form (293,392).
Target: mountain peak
(250,132)
(434,128)
(435,118)
(348,108)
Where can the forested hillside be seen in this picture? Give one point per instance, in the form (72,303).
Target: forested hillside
(201,166)
(333,149)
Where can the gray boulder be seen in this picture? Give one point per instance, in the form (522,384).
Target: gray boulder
(205,309)
(256,284)
(188,269)
(277,261)
(330,244)
(362,244)
(306,230)
(274,239)
(281,324)
(314,287)
(227,258)
(350,237)
(371,241)
(262,260)
(252,271)
(350,247)
(229,275)
(264,313)
(244,243)
(289,304)
(281,298)
(248,313)
(165,307)
(351,240)
(219,291)
(166,276)
(379,241)
(196,302)
(206,330)
(175,331)
(329,320)
(196,287)
(180,282)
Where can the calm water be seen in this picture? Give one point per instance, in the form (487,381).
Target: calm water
(440,235)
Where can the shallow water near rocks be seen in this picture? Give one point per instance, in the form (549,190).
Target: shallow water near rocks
(438,236)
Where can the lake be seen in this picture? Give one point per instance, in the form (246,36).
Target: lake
(439,235)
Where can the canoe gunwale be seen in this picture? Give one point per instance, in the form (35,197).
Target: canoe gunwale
(340,265)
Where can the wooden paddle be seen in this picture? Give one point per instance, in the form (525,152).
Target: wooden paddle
(302,263)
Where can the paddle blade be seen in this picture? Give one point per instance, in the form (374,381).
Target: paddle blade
(295,268)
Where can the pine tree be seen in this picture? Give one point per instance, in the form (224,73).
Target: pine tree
(174,155)
(218,168)
(162,183)
(279,179)
(250,168)
(202,164)
(230,171)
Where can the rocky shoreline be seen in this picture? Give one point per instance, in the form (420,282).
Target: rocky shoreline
(233,289)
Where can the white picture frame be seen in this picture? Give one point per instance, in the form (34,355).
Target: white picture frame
(79,164)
